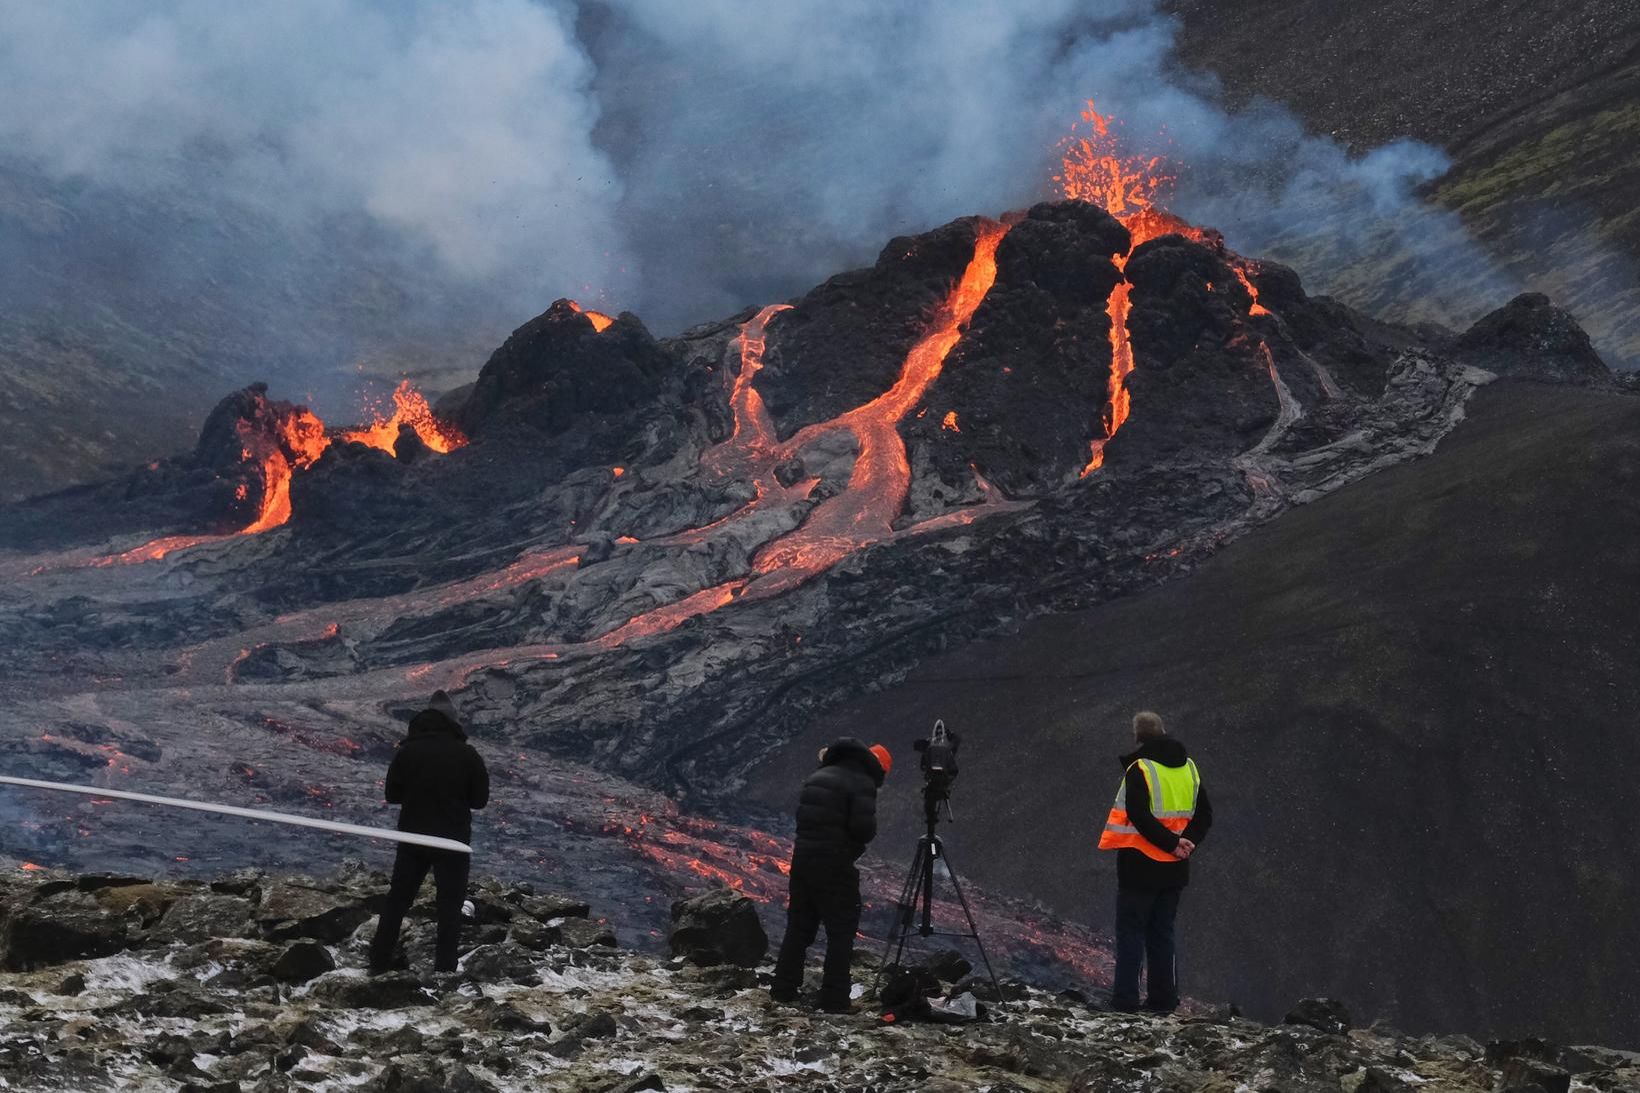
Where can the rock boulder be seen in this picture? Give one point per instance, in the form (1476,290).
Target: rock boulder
(718,927)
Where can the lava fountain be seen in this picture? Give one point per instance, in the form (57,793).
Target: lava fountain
(409,408)
(1127,186)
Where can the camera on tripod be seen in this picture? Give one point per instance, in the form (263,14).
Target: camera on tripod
(914,911)
(939,767)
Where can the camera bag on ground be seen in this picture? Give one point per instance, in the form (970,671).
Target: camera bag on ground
(910,994)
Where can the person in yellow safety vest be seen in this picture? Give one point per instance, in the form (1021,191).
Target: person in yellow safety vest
(1160,817)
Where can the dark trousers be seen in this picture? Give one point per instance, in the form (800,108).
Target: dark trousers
(1144,937)
(823,893)
(450,869)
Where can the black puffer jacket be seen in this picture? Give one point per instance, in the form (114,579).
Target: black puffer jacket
(438,779)
(1136,870)
(837,811)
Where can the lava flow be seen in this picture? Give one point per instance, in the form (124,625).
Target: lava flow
(865,512)
(295,442)
(861,514)
(299,441)
(1128,188)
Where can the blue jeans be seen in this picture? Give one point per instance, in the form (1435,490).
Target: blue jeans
(1144,936)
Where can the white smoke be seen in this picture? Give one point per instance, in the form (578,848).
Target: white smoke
(802,135)
(466,127)
(681,159)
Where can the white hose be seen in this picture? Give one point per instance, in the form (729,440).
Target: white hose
(432,841)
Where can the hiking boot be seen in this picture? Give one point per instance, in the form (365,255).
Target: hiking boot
(842,1008)
(785,995)
(397,963)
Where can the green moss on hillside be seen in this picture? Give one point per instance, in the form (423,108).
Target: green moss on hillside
(1579,155)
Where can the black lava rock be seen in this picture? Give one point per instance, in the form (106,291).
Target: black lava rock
(718,927)
(1531,337)
(1325,1014)
(303,961)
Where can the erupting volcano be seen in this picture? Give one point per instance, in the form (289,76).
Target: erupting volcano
(275,442)
(1129,187)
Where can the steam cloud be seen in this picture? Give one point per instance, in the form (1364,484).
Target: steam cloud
(467,127)
(681,160)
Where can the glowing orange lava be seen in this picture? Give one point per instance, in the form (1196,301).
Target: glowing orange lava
(865,512)
(1241,275)
(600,321)
(1127,187)
(300,440)
(409,408)
(673,615)
(754,433)
(159,548)
(1096,172)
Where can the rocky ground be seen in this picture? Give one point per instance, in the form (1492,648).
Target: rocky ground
(253,982)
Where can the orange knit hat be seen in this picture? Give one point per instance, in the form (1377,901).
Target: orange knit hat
(883,757)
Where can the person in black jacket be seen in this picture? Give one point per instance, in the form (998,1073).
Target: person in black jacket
(437,779)
(836,818)
(1148,889)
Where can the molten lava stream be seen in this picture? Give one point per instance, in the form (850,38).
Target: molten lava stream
(1117,400)
(1126,187)
(753,430)
(866,510)
(275,511)
(159,548)
(1256,308)
(671,616)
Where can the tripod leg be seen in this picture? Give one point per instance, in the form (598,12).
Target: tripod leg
(968,913)
(903,911)
(933,850)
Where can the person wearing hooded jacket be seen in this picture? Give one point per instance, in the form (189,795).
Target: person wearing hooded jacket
(1154,840)
(836,819)
(437,779)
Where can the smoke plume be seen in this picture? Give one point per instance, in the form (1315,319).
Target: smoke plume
(466,162)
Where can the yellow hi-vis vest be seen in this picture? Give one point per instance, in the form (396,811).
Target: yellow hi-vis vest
(1172,802)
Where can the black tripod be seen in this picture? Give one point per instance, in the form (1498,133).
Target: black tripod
(916,900)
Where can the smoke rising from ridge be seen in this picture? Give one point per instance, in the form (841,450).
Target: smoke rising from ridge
(679,160)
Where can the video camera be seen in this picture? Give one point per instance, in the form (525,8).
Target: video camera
(939,767)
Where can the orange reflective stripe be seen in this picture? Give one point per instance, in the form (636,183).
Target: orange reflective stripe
(1119,832)
(1138,842)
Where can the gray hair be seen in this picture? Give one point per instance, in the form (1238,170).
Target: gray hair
(1147,725)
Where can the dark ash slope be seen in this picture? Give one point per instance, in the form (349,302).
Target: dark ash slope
(1416,702)
(1537,105)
